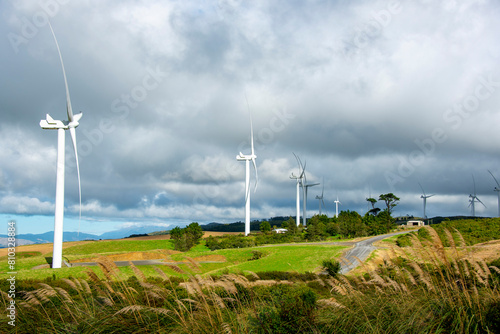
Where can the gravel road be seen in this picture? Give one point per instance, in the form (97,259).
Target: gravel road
(361,250)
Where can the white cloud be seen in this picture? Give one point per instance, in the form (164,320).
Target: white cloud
(25,205)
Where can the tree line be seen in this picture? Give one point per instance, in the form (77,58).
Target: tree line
(349,224)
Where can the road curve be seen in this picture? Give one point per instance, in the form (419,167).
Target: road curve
(361,250)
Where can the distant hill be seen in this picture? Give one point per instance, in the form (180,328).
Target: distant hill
(47,237)
(240,226)
(125,232)
(439,219)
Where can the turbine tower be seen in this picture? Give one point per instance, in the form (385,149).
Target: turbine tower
(50,124)
(305,186)
(337,202)
(497,189)
(424,197)
(247,159)
(299,184)
(473,199)
(320,197)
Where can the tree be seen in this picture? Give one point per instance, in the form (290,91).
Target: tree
(390,200)
(372,202)
(185,238)
(292,226)
(374,211)
(379,224)
(265,227)
(194,233)
(350,224)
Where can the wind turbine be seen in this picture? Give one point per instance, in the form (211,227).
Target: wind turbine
(337,202)
(247,159)
(424,197)
(473,199)
(305,186)
(320,198)
(497,189)
(50,124)
(299,184)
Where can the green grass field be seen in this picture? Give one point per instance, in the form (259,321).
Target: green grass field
(296,258)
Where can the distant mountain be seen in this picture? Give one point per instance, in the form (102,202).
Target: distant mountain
(4,242)
(47,237)
(125,232)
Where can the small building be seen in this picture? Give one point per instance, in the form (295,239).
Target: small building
(280,230)
(415,223)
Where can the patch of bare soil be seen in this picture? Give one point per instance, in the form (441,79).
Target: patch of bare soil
(47,248)
(42,248)
(218,258)
(134,256)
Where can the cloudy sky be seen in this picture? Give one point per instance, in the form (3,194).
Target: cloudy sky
(376,96)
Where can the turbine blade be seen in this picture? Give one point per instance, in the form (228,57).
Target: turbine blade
(256,174)
(251,125)
(480,202)
(73,139)
(474,182)
(68,100)
(421,188)
(498,184)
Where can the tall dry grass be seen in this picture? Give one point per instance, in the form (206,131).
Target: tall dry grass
(427,288)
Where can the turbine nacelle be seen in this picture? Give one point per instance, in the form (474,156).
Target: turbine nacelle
(51,124)
(243,157)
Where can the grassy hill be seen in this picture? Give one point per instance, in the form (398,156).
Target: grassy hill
(473,231)
(425,289)
(298,258)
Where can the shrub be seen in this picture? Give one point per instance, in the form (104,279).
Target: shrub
(332,267)
(292,310)
(492,317)
(404,240)
(256,255)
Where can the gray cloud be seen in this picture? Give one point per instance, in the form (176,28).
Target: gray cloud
(376,96)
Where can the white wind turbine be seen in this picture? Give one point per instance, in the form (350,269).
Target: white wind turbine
(320,197)
(305,186)
(247,159)
(473,199)
(424,197)
(299,183)
(337,202)
(497,189)
(51,124)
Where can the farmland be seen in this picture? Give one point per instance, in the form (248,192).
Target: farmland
(439,283)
